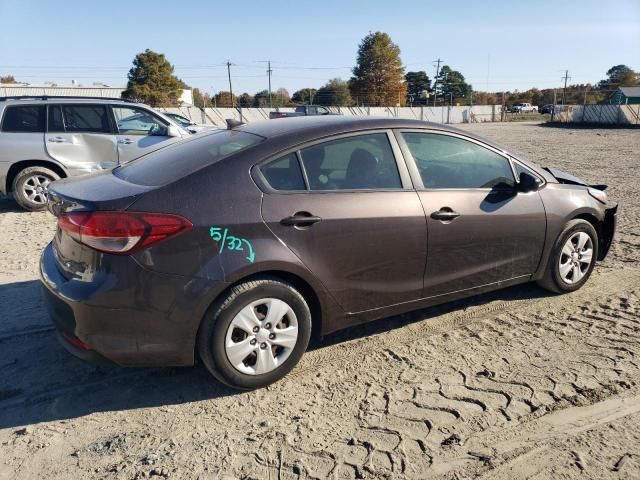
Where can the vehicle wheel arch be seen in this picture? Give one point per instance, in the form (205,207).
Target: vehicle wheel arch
(595,222)
(22,164)
(296,281)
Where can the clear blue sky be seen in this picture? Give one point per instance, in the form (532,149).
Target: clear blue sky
(502,44)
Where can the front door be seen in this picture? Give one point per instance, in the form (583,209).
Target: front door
(139,132)
(350,219)
(481,231)
(80,135)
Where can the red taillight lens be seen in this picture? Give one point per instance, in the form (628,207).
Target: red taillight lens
(121,232)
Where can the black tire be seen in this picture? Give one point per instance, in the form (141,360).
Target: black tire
(212,334)
(552,279)
(26,175)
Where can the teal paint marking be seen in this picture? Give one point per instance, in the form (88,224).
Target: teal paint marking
(218,234)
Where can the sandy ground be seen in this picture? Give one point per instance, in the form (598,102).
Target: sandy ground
(514,384)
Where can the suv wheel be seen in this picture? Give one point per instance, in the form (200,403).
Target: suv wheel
(572,259)
(256,334)
(30,187)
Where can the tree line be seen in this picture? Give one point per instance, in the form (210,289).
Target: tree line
(378,79)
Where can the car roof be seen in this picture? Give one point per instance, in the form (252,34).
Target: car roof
(303,129)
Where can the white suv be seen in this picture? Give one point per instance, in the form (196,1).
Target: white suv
(43,139)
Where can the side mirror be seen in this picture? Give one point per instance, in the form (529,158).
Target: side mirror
(172,131)
(527,183)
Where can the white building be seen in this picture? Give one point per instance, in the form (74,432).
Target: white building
(107,91)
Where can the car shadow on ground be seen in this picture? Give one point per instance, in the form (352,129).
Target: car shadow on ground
(41,381)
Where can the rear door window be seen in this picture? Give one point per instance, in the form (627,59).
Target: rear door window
(359,162)
(86,118)
(24,119)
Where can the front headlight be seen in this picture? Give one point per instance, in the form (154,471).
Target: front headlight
(598,195)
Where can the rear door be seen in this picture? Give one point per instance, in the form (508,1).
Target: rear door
(481,230)
(347,209)
(79,135)
(139,132)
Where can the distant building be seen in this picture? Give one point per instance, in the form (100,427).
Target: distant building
(625,96)
(24,89)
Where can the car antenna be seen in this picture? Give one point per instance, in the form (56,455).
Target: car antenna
(233,123)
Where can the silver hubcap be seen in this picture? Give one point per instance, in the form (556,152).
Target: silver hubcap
(576,257)
(261,336)
(35,188)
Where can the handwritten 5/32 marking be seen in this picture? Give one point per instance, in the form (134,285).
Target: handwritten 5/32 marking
(221,235)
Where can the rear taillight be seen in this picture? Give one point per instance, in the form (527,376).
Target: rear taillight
(121,232)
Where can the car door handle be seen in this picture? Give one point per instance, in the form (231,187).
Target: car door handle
(300,219)
(57,139)
(445,214)
(125,141)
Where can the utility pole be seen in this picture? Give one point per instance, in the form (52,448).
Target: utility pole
(269,74)
(435,84)
(229,73)
(564,92)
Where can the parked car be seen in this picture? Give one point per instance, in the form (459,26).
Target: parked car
(523,108)
(43,139)
(548,108)
(187,124)
(233,246)
(303,111)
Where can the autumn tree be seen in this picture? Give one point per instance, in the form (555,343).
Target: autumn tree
(418,87)
(225,100)
(201,100)
(151,80)
(8,79)
(378,77)
(335,92)
(304,95)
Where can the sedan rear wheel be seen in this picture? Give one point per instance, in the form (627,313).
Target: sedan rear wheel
(255,334)
(572,259)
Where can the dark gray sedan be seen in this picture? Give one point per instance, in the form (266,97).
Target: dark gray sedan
(234,246)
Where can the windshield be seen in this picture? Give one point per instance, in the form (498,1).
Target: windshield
(183,121)
(181,159)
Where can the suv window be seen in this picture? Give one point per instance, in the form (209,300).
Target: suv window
(352,163)
(137,121)
(24,119)
(451,162)
(55,123)
(284,173)
(86,118)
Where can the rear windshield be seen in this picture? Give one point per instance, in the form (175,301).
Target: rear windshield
(177,161)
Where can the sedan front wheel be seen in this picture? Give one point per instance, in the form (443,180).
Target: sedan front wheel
(572,259)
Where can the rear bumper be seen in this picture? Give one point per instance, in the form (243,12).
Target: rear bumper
(608,230)
(135,318)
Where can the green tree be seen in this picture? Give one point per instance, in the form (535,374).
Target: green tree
(451,86)
(261,99)
(8,79)
(619,76)
(305,96)
(151,80)
(378,77)
(418,86)
(335,92)
(245,100)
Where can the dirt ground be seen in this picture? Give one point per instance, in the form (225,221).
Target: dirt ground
(513,384)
